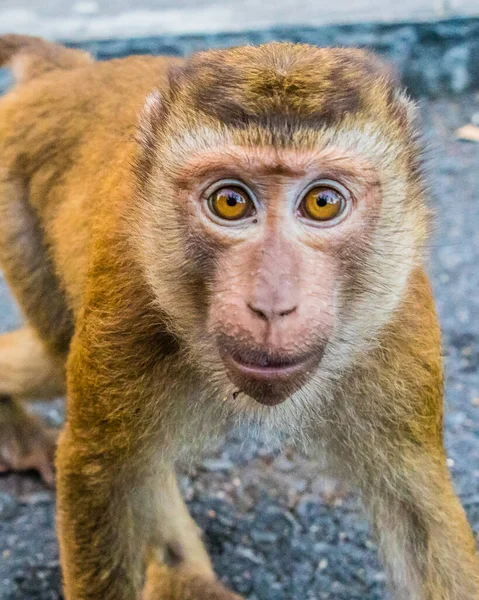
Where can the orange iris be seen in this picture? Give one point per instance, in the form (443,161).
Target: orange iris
(322,204)
(231,203)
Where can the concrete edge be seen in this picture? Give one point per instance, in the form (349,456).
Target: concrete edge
(433,58)
(85,21)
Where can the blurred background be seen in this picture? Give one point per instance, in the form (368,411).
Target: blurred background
(94,19)
(276,530)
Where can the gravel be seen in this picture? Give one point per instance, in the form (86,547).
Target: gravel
(275,530)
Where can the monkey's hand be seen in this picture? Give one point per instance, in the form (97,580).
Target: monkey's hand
(176,583)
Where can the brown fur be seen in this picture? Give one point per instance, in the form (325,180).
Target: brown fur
(102,237)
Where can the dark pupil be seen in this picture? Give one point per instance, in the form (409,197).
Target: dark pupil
(232,200)
(322,200)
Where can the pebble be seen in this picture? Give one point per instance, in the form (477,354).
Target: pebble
(217,464)
(8,506)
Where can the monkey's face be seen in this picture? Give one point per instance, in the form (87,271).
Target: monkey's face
(290,215)
(274,235)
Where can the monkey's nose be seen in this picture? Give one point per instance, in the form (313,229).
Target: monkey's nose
(271,313)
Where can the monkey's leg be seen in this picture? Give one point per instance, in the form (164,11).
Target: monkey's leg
(423,535)
(187,572)
(177,538)
(26,368)
(26,371)
(25,443)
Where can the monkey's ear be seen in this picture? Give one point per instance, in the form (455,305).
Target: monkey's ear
(399,95)
(147,135)
(392,74)
(408,112)
(150,119)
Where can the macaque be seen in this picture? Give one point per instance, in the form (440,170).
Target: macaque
(233,238)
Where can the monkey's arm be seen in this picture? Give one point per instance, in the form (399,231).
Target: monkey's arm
(392,442)
(118,500)
(423,535)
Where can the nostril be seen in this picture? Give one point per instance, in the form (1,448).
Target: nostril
(289,311)
(266,315)
(257,311)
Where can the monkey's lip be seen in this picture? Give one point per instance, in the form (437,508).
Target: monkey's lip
(268,369)
(269,380)
(268,376)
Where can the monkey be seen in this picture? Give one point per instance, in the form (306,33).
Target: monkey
(237,237)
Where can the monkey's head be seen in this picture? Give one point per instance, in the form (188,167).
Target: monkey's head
(281,211)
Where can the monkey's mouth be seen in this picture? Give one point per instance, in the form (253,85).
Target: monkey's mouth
(267,378)
(267,368)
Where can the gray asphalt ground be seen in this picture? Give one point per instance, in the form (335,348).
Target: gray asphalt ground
(274,530)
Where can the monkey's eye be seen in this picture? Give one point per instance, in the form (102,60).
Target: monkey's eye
(322,203)
(231,203)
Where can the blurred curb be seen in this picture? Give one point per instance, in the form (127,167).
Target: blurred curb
(434,58)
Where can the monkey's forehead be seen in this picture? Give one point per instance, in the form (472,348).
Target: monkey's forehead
(384,146)
(286,85)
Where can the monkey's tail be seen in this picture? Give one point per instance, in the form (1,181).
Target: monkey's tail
(28,56)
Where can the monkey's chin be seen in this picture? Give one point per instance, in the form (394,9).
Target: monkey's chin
(269,384)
